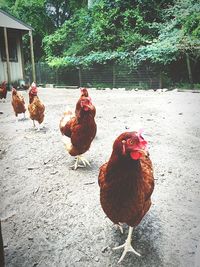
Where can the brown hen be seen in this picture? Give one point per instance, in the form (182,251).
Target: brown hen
(3,90)
(36,107)
(18,103)
(80,129)
(126,183)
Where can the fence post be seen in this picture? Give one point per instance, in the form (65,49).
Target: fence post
(189,69)
(114,76)
(56,75)
(160,80)
(7,56)
(32,55)
(38,71)
(79,76)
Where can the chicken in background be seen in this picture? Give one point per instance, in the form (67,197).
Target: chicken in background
(79,128)
(23,85)
(3,90)
(84,93)
(36,107)
(18,103)
(126,183)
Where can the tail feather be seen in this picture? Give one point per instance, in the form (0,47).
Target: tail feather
(67,115)
(67,143)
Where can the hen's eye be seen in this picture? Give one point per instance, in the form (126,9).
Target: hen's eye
(130,142)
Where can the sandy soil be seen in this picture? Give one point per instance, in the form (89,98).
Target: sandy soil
(51,215)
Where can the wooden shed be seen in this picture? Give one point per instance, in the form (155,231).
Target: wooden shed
(11,54)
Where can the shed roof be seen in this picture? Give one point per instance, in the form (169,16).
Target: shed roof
(9,21)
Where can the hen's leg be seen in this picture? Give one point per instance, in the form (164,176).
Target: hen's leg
(82,160)
(127,246)
(39,127)
(33,124)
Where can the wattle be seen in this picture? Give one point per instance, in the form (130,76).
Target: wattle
(135,155)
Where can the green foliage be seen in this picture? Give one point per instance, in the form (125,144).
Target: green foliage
(89,60)
(112,31)
(162,50)
(186,86)
(115,28)
(61,10)
(33,13)
(186,19)
(44,16)
(99,35)
(66,41)
(178,35)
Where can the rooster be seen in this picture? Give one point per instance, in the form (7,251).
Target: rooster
(80,129)
(36,107)
(3,90)
(126,183)
(18,103)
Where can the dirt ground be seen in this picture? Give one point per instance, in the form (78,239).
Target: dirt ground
(51,215)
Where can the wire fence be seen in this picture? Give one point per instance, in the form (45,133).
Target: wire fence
(101,76)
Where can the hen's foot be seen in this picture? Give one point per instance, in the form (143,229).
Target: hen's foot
(40,127)
(119,226)
(78,161)
(127,246)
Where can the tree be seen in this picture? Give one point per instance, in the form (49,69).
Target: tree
(179,37)
(61,10)
(108,26)
(33,13)
(90,3)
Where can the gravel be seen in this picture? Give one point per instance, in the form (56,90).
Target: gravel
(51,215)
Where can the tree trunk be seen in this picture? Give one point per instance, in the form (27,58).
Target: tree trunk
(189,69)
(57,15)
(32,57)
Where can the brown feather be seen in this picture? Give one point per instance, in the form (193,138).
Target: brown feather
(18,102)
(81,128)
(3,90)
(126,186)
(36,109)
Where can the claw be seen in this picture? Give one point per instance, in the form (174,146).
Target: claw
(82,160)
(119,226)
(127,246)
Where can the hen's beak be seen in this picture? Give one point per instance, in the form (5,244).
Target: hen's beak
(142,151)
